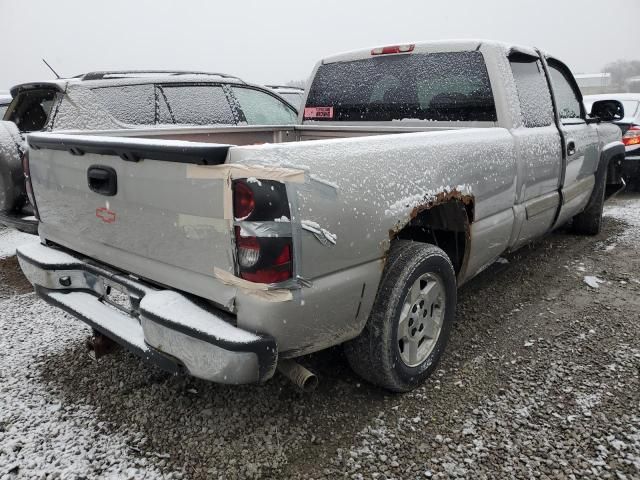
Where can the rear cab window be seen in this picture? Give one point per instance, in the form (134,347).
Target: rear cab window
(450,86)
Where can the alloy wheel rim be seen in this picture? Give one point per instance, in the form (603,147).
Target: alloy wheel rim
(421,319)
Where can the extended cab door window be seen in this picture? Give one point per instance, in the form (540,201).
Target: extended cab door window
(567,99)
(533,91)
(260,108)
(193,105)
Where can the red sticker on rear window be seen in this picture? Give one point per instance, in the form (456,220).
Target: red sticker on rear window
(318,112)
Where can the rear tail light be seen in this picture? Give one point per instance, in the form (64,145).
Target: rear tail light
(248,250)
(261,259)
(393,49)
(27,184)
(244,202)
(632,137)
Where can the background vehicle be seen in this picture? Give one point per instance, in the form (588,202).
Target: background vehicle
(5,100)
(415,167)
(293,95)
(124,99)
(630,126)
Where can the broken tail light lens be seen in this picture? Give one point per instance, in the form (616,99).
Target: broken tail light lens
(263,259)
(248,250)
(27,184)
(632,137)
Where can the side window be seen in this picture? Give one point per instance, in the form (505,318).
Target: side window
(533,91)
(566,98)
(260,108)
(79,110)
(130,104)
(193,105)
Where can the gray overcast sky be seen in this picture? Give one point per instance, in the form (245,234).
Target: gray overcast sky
(280,40)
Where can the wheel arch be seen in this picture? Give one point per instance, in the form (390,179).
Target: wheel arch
(444,222)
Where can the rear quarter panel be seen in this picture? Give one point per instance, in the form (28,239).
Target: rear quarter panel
(360,189)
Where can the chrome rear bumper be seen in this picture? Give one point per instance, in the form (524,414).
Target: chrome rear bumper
(163,327)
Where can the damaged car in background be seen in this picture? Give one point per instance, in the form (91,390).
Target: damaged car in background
(122,99)
(227,253)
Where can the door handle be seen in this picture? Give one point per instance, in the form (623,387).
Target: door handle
(571,148)
(102,180)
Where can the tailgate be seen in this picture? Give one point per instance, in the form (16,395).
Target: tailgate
(137,205)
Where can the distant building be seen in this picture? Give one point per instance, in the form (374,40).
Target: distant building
(594,83)
(633,85)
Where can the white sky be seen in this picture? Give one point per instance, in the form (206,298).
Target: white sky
(280,40)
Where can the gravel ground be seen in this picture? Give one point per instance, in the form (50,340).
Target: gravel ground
(541,379)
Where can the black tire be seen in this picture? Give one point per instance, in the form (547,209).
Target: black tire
(590,221)
(12,187)
(375,355)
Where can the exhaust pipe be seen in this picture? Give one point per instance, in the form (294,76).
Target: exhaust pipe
(303,378)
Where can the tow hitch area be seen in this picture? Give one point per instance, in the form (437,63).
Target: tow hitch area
(101,345)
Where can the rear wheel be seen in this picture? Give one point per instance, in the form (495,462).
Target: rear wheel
(411,319)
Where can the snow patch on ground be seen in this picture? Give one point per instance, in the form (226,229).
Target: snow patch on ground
(629,213)
(43,436)
(593,282)
(10,239)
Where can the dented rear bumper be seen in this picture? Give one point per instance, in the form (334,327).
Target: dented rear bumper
(163,327)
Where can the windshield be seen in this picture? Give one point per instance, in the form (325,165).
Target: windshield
(439,87)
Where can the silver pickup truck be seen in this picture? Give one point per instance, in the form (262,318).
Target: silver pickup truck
(225,253)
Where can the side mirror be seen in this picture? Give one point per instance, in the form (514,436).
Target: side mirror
(607,110)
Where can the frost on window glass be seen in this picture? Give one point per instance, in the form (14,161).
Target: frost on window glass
(533,91)
(79,110)
(130,104)
(566,98)
(452,86)
(260,108)
(194,105)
